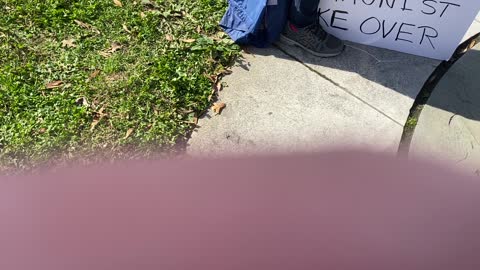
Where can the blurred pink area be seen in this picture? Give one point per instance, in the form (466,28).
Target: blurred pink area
(326,211)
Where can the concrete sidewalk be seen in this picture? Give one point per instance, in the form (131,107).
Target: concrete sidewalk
(283,99)
(449,126)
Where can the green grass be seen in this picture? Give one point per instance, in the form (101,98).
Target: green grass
(153,86)
(411,122)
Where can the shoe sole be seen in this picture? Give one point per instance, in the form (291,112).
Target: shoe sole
(290,42)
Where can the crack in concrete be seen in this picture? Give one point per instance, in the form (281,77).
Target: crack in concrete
(463,159)
(474,136)
(451,119)
(379,61)
(338,85)
(465,127)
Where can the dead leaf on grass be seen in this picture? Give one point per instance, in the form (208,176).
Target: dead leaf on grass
(124,26)
(82,101)
(54,84)
(188,40)
(100,112)
(219,36)
(219,86)
(213,78)
(105,54)
(211,60)
(226,72)
(185,111)
(129,132)
(210,97)
(82,24)
(115,47)
(94,74)
(118,3)
(98,117)
(42,130)
(69,43)
(87,26)
(94,124)
(115,77)
(169,37)
(149,3)
(217,108)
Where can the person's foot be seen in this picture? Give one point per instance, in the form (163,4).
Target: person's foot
(313,39)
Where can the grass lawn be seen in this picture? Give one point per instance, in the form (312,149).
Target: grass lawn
(104,78)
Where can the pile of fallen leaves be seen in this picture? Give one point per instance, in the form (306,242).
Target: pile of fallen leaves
(81,80)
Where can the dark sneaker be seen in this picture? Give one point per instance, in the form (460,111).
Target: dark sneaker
(313,39)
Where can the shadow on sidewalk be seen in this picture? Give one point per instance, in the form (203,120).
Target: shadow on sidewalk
(400,72)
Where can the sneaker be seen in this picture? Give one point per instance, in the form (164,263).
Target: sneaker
(313,39)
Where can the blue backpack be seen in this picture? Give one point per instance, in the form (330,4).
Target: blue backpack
(255,22)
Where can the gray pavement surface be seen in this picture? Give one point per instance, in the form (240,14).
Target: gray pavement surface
(387,80)
(282,100)
(449,126)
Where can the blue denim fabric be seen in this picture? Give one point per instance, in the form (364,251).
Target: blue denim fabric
(255,22)
(242,19)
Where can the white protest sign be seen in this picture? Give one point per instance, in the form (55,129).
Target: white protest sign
(430,28)
(474,29)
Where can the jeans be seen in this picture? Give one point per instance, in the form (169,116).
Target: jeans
(303,12)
